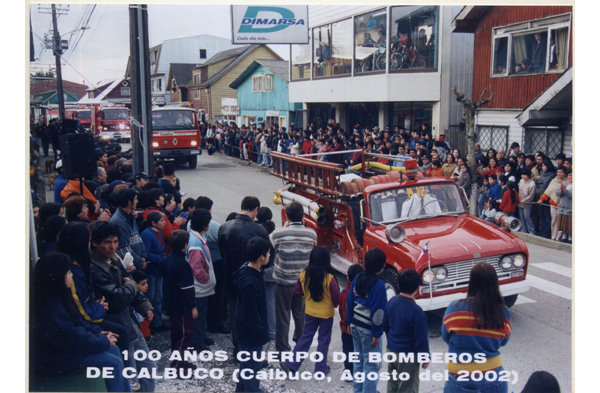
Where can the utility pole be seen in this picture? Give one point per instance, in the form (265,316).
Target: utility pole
(57,50)
(141,103)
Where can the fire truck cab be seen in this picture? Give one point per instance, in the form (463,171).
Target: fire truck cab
(112,123)
(400,213)
(176,134)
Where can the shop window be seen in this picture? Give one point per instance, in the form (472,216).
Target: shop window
(536,46)
(370,41)
(300,61)
(413,43)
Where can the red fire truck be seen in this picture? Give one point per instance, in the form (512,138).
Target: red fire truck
(176,134)
(112,122)
(401,214)
(87,118)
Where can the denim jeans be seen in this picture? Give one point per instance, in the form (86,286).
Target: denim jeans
(526,221)
(270,292)
(481,200)
(253,384)
(110,358)
(362,339)
(155,297)
(470,386)
(200,322)
(147,384)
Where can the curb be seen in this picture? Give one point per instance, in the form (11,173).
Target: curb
(541,241)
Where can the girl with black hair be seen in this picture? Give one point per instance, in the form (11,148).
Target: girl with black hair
(63,342)
(479,324)
(510,199)
(74,241)
(48,234)
(541,382)
(321,293)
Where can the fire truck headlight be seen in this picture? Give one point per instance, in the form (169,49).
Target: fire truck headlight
(154,144)
(441,274)
(519,260)
(121,126)
(506,263)
(105,128)
(428,276)
(194,143)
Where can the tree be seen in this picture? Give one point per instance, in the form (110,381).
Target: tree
(42,74)
(470,110)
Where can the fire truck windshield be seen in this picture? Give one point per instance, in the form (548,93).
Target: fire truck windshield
(115,114)
(173,119)
(416,202)
(84,115)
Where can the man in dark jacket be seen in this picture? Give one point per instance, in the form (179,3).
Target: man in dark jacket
(251,320)
(129,238)
(121,292)
(233,237)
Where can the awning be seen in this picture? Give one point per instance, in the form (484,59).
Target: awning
(554,105)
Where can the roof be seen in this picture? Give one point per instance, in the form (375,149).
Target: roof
(227,54)
(554,103)
(247,50)
(182,72)
(50,85)
(279,68)
(467,19)
(98,98)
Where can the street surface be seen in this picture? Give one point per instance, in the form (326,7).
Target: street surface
(541,320)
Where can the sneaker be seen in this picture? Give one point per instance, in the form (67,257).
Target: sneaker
(134,385)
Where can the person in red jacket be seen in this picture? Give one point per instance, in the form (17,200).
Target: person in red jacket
(347,343)
(510,199)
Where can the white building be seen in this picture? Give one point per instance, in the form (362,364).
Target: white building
(382,65)
(191,50)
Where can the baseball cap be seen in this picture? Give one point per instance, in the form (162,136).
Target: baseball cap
(116,183)
(140,175)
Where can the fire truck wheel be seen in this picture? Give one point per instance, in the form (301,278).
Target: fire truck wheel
(510,300)
(390,278)
(193,162)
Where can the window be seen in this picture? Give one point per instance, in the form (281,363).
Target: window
(90,94)
(272,120)
(203,53)
(196,79)
(300,60)
(125,91)
(341,47)
(196,94)
(159,85)
(370,41)
(537,46)
(262,83)
(548,140)
(492,137)
(322,51)
(413,42)
(153,57)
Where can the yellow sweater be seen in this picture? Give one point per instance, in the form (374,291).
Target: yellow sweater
(323,309)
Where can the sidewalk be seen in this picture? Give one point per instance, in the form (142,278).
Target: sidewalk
(541,241)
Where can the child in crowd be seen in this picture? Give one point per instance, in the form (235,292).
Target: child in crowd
(502,182)
(347,344)
(321,296)
(405,326)
(204,275)
(141,280)
(365,307)
(179,297)
(188,208)
(510,199)
(251,321)
(489,210)
(155,249)
(495,189)
(484,194)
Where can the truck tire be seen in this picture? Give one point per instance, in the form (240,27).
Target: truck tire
(193,162)
(510,300)
(390,278)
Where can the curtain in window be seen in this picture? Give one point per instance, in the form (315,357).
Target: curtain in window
(519,49)
(562,40)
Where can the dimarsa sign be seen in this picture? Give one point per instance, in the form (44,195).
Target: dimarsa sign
(258,24)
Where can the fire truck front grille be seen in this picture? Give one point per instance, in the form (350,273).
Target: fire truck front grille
(111,128)
(458,274)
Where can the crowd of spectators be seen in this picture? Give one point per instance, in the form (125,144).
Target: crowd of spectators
(540,186)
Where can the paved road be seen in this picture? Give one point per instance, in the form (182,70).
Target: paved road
(541,320)
(541,338)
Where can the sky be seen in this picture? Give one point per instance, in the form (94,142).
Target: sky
(101,51)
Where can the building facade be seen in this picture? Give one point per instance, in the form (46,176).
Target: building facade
(524,56)
(263,96)
(382,65)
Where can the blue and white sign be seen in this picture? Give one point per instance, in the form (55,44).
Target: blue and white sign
(267,24)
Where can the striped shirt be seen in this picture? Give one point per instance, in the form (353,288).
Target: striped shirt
(293,245)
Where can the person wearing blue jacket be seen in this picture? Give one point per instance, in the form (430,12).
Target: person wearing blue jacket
(495,191)
(365,310)
(155,249)
(63,342)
